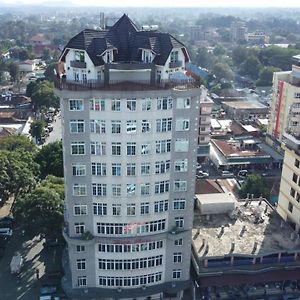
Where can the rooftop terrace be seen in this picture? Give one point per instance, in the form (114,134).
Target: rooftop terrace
(252,229)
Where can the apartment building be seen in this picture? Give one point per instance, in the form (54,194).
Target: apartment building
(289,195)
(130,134)
(285,106)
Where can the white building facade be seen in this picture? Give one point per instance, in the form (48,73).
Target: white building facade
(130,135)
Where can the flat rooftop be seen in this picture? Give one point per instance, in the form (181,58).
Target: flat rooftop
(244,104)
(254,229)
(231,151)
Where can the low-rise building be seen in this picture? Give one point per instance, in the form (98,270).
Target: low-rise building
(245,110)
(243,243)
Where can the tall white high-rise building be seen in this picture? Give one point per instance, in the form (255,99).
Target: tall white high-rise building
(130,133)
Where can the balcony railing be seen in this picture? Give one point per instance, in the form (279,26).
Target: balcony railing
(78,64)
(175,64)
(115,85)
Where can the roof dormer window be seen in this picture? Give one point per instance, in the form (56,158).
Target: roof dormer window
(146,56)
(174,56)
(79,56)
(108,57)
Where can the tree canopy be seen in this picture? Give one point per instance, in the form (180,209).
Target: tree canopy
(50,159)
(41,211)
(265,76)
(17,142)
(43,96)
(37,129)
(255,185)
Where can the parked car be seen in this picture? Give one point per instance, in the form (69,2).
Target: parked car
(243,173)
(50,127)
(5,232)
(227,174)
(3,241)
(202,174)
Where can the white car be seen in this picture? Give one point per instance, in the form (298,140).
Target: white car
(227,174)
(202,174)
(6,231)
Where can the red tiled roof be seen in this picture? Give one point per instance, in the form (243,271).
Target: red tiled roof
(207,186)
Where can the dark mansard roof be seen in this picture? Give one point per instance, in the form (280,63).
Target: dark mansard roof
(126,39)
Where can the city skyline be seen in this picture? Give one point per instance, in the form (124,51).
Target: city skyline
(156,3)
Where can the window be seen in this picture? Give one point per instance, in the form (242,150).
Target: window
(180,186)
(145,168)
(79,228)
(163,146)
(99,189)
(145,208)
(130,169)
(183,103)
(130,209)
(116,105)
(79,190)
(164,103)
(131,126)
(116,190)
(80,210)
(297,95)
(116,148)
(99,169)
(76,126)
(179,222)
(290,207)
(178,242)
(146,127)
(80,248)
(116,169)
(174,58)
(131,105)
(130,189)
(116,209)
(179,204)
(181,165)
(145,189)
(292,192)
(181,145)
(177,257)
(295,178)
(100,209)
(76,105)
(79,56)
(162,187)
(297,163)
(146,104)
(182,124)
(97,104)
(78,170)
(161,206)
(116,126)
(164,125)
(145,149)
(77,148)
(81,281)
(98,148)
(131,148)
(176,274)
(162,167)
(97,126)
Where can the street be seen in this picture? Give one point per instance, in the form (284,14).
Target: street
(56,134)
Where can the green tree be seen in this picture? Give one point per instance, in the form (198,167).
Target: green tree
(219,50)
(18,172)
(50,159)
(50,72)
(250,67)
(204,58)
(17,142)
(255,185)
(14,71)
(43,96)
(265,77)
(37,129)
(239,55)
(222,71)
(31,87)
(41,211)
(46,54)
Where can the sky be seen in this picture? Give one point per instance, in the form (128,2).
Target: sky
(166,3)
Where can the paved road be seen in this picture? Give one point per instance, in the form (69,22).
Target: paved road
(56,134)
(35,257)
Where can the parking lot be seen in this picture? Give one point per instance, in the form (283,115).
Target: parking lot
(41,267)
